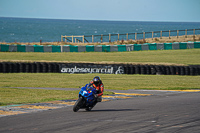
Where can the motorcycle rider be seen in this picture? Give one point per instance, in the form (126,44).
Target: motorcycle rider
(98,85)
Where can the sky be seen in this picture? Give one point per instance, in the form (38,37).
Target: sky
(118,10)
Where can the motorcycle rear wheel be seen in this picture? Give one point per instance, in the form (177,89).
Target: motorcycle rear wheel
(78,104)
(90,108)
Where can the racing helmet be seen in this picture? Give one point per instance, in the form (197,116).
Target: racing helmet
(96,80)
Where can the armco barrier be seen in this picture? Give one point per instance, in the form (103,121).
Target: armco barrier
(56,48)
(167,46)
(105,48)
(183,45)
(45,67)
(121,48)
(152,46)
(137,47)
(38,48)
(196,44)
(4,48)
(21,48)
(90,48)
(99,48)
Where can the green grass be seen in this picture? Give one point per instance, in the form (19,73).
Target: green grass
(188,56)
(111,81)
(62,80)
(19,96)
(10,96)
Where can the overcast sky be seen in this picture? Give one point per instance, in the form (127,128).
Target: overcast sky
(124,10)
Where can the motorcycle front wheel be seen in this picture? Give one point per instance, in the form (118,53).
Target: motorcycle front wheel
(78,104)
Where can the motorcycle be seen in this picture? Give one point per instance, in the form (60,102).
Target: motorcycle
(86,99)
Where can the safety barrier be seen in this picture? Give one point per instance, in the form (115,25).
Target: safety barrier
(99,48)
(46,67)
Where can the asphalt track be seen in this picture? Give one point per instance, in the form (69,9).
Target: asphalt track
(163,112)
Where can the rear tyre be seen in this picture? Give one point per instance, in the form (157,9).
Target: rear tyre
(90,108)
(78,104)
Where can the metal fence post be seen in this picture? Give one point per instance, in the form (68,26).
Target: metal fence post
(118,36)
(135,36)
(177,33)
(72,39)
(61,38)
(185,33)
(65,39)
(161,34)
(193,32)
(143,35)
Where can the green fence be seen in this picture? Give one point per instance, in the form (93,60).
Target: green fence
(21,48)
(196,44)
(90,48)
(56,49)
(38,48)
(121,48)
(4,48)
(152,46)
(183,45)
(105,48)
(73,48)
(99,48)
(137,47)
(167,46)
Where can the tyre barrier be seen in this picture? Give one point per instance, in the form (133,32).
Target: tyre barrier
(137,69)
(45,67)
(36,67)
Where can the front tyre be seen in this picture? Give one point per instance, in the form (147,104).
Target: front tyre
(78,104)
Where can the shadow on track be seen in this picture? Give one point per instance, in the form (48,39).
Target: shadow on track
(113,110)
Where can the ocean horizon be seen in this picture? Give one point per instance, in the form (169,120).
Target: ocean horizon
(14,29)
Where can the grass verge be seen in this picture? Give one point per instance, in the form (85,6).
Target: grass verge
(57,80)
(120,82)
(20,96)
(9,96)
(187,56)
(111,81)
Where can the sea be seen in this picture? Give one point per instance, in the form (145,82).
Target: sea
(50,30)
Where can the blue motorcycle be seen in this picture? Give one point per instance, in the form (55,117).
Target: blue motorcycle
(86,99)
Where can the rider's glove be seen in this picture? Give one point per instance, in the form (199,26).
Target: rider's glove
(96,95)
(89,85)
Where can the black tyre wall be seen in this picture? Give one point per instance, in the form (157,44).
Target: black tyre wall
(41,67)
(5,67)
(1,67)
(33,68)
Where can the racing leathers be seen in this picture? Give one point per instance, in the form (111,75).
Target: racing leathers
(99,88)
